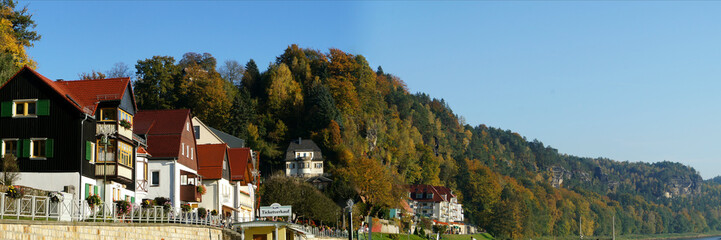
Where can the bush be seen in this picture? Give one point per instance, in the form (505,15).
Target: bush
(185,207)
(214,212)
(147,203)
(202,212)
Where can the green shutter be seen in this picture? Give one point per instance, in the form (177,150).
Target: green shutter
(95,189)
(43,107)
(87,190)
(26,148)
(6,109)
(132,199)
(88,150)
(49,148)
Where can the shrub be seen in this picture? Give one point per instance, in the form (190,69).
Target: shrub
(202,212)
(185,207)
(125,124)
(214,212)
(201,189)
(147,203)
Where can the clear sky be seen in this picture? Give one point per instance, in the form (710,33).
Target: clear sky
(636,81)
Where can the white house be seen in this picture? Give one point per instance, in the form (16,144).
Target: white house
(436,202)
(215,169)
(303,158)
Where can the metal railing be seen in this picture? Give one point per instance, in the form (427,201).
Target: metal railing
(324,232)
(43,208)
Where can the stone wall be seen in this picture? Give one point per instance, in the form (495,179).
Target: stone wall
(14,229)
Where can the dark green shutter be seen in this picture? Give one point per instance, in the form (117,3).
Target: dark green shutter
(49,148)
(43,107)
(87,190)
(95,189)
(6,109)
(88,150)
(26,148)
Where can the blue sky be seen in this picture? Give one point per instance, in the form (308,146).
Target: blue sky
(636,81)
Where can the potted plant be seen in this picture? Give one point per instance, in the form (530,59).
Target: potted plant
(201,189)
(54,197)
(93,199)
(126,124)
(214,212)
(15,192)
(202,212)
(147,203)
(185,207)
(123,207)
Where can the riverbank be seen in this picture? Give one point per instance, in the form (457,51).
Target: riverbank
(665,236)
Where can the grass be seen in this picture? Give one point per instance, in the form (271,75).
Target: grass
(640,236)
(478,236)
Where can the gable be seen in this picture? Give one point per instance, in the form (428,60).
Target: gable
(127,102)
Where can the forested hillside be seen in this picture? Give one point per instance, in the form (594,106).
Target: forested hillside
(378,137)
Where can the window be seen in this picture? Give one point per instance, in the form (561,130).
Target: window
(106,151)
(319,165)
(10,146)
(183,179)
(430,195)
(41,148)
(187,150)
(108,114)
(191,153)
(182,149)
(187,126)
(287,165)
(25,108)
(196,129)
(125,154)
(155,178)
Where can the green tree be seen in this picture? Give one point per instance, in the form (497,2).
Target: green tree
(155,87)
(91,75)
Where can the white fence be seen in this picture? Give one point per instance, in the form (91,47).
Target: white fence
(42,208)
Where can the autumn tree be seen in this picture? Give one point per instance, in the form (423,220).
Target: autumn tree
(16,33)
(119,70)
(91,75)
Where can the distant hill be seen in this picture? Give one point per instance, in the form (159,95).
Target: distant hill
(376,137)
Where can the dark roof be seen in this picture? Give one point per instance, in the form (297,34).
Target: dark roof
(210,160)
(303,145)
(320,178)
(437,191)
(232,141)
(239,159)
(85,94)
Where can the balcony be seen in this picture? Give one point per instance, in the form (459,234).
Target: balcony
(113,128)
(189,193)
(114,172)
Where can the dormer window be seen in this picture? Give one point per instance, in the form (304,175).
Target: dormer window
(429,195)
(108,114)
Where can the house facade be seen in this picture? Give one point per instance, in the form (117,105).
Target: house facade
(435,202)
(72,136)
(241,164)
(215,169)
(172,160)
(304,159)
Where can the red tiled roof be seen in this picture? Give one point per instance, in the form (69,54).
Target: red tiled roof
(239,159)
(437,191)
(90,92)
(210,160)
(170,121)
(142,150)
(405,206)
(164,146)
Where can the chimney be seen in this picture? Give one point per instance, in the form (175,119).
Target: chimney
(299,139)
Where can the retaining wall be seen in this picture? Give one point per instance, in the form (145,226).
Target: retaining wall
(19,229)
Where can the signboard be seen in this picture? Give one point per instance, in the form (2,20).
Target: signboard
(276,210)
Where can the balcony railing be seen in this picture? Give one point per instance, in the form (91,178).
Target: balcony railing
(189,193)
(114,171)
(113,129)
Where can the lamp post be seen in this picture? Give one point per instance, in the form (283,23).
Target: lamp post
(104,141)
